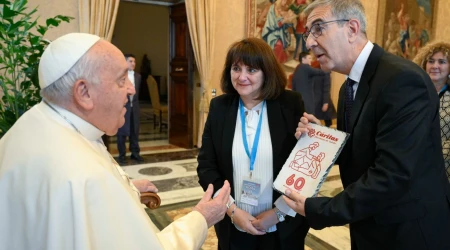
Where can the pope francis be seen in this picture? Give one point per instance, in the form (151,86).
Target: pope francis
(59,187)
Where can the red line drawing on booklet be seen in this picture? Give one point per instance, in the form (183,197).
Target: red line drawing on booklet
(307,163)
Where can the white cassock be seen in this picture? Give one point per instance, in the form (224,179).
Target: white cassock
(60,190)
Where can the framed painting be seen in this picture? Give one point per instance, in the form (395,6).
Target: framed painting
(404,26)
(281,24)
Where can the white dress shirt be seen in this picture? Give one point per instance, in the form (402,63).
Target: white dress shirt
(358,66)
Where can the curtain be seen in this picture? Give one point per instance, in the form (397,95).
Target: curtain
(98,17)
(200,16)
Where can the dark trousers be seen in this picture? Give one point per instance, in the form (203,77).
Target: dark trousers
(328,123)
(134,139)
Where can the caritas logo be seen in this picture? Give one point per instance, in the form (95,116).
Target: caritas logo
(312,132)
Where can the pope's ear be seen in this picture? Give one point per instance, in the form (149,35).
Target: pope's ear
(81,94)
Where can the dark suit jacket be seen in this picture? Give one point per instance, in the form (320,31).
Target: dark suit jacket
(302,82)
(215,157)
(322,86)
(125,129)
(396,193)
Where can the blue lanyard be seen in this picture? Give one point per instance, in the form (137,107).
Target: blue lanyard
(443,89)
(244,134)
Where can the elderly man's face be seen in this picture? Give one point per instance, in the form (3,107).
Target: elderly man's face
(111,94)
(331,47)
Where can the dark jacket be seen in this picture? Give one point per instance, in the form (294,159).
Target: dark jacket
(322,86)
(125,129)
(215,157)
(396,194)
(302,82)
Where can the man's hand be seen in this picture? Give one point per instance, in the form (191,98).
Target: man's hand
(324,107)
(243,220)
(144,185)
(265,220)
(303,126)
(297,201)
(214,209)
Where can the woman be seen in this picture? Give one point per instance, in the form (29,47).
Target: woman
(255,104)
(434,58)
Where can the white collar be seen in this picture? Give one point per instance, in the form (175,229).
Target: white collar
(360,63)
(257,107)
(86,129)
(130,72)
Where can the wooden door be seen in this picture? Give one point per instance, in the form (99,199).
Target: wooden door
(181,79)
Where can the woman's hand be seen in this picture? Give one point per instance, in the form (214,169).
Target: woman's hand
(243,220)
(265,220)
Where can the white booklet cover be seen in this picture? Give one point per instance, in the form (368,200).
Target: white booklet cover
(311,160)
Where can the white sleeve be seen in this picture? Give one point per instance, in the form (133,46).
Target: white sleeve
(283,207)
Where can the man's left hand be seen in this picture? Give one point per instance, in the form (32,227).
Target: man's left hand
(144,185)
(296,201)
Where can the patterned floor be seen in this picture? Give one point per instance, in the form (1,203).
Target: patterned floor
(177,182)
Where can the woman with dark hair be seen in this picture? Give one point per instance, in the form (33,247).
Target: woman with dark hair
(248,135)
(434,59)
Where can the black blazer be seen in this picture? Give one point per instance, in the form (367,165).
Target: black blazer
(125,129)
(396,193)
(215,156)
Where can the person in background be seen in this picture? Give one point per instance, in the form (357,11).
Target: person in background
(323,105)
(434,59)
(59,186)
(302,81)
(396,193)
(131,126)
(248,136)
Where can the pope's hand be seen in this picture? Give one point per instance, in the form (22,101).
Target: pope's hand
(214,209)
(296,201)
(144,185)
(303,126)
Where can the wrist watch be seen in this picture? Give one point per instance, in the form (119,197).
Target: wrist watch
(280,215)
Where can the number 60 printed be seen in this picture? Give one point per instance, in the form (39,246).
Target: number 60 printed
(298,183)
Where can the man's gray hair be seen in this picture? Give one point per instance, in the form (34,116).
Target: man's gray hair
(342,9)
(60,91)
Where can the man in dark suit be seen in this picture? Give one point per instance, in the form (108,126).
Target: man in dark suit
(396,195)
(131,126)
(302,80)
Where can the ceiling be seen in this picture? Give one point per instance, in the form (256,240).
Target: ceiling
(157,2)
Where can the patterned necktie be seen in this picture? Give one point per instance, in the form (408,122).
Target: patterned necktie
(348,102)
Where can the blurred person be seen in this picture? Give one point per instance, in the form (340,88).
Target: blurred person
(323,105)
(396,193)
(248,136)
(434,59)
(302,81)
(59,186)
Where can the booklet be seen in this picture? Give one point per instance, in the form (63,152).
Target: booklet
(311,160)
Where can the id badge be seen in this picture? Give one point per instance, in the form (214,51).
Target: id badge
(250,191)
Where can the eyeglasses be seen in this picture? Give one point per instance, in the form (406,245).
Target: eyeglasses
(316,29)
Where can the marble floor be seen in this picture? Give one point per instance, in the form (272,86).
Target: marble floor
(174,173)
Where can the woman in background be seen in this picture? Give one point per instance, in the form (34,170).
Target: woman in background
(434,58)
(248,136)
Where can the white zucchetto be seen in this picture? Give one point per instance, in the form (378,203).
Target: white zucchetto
(62,54)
